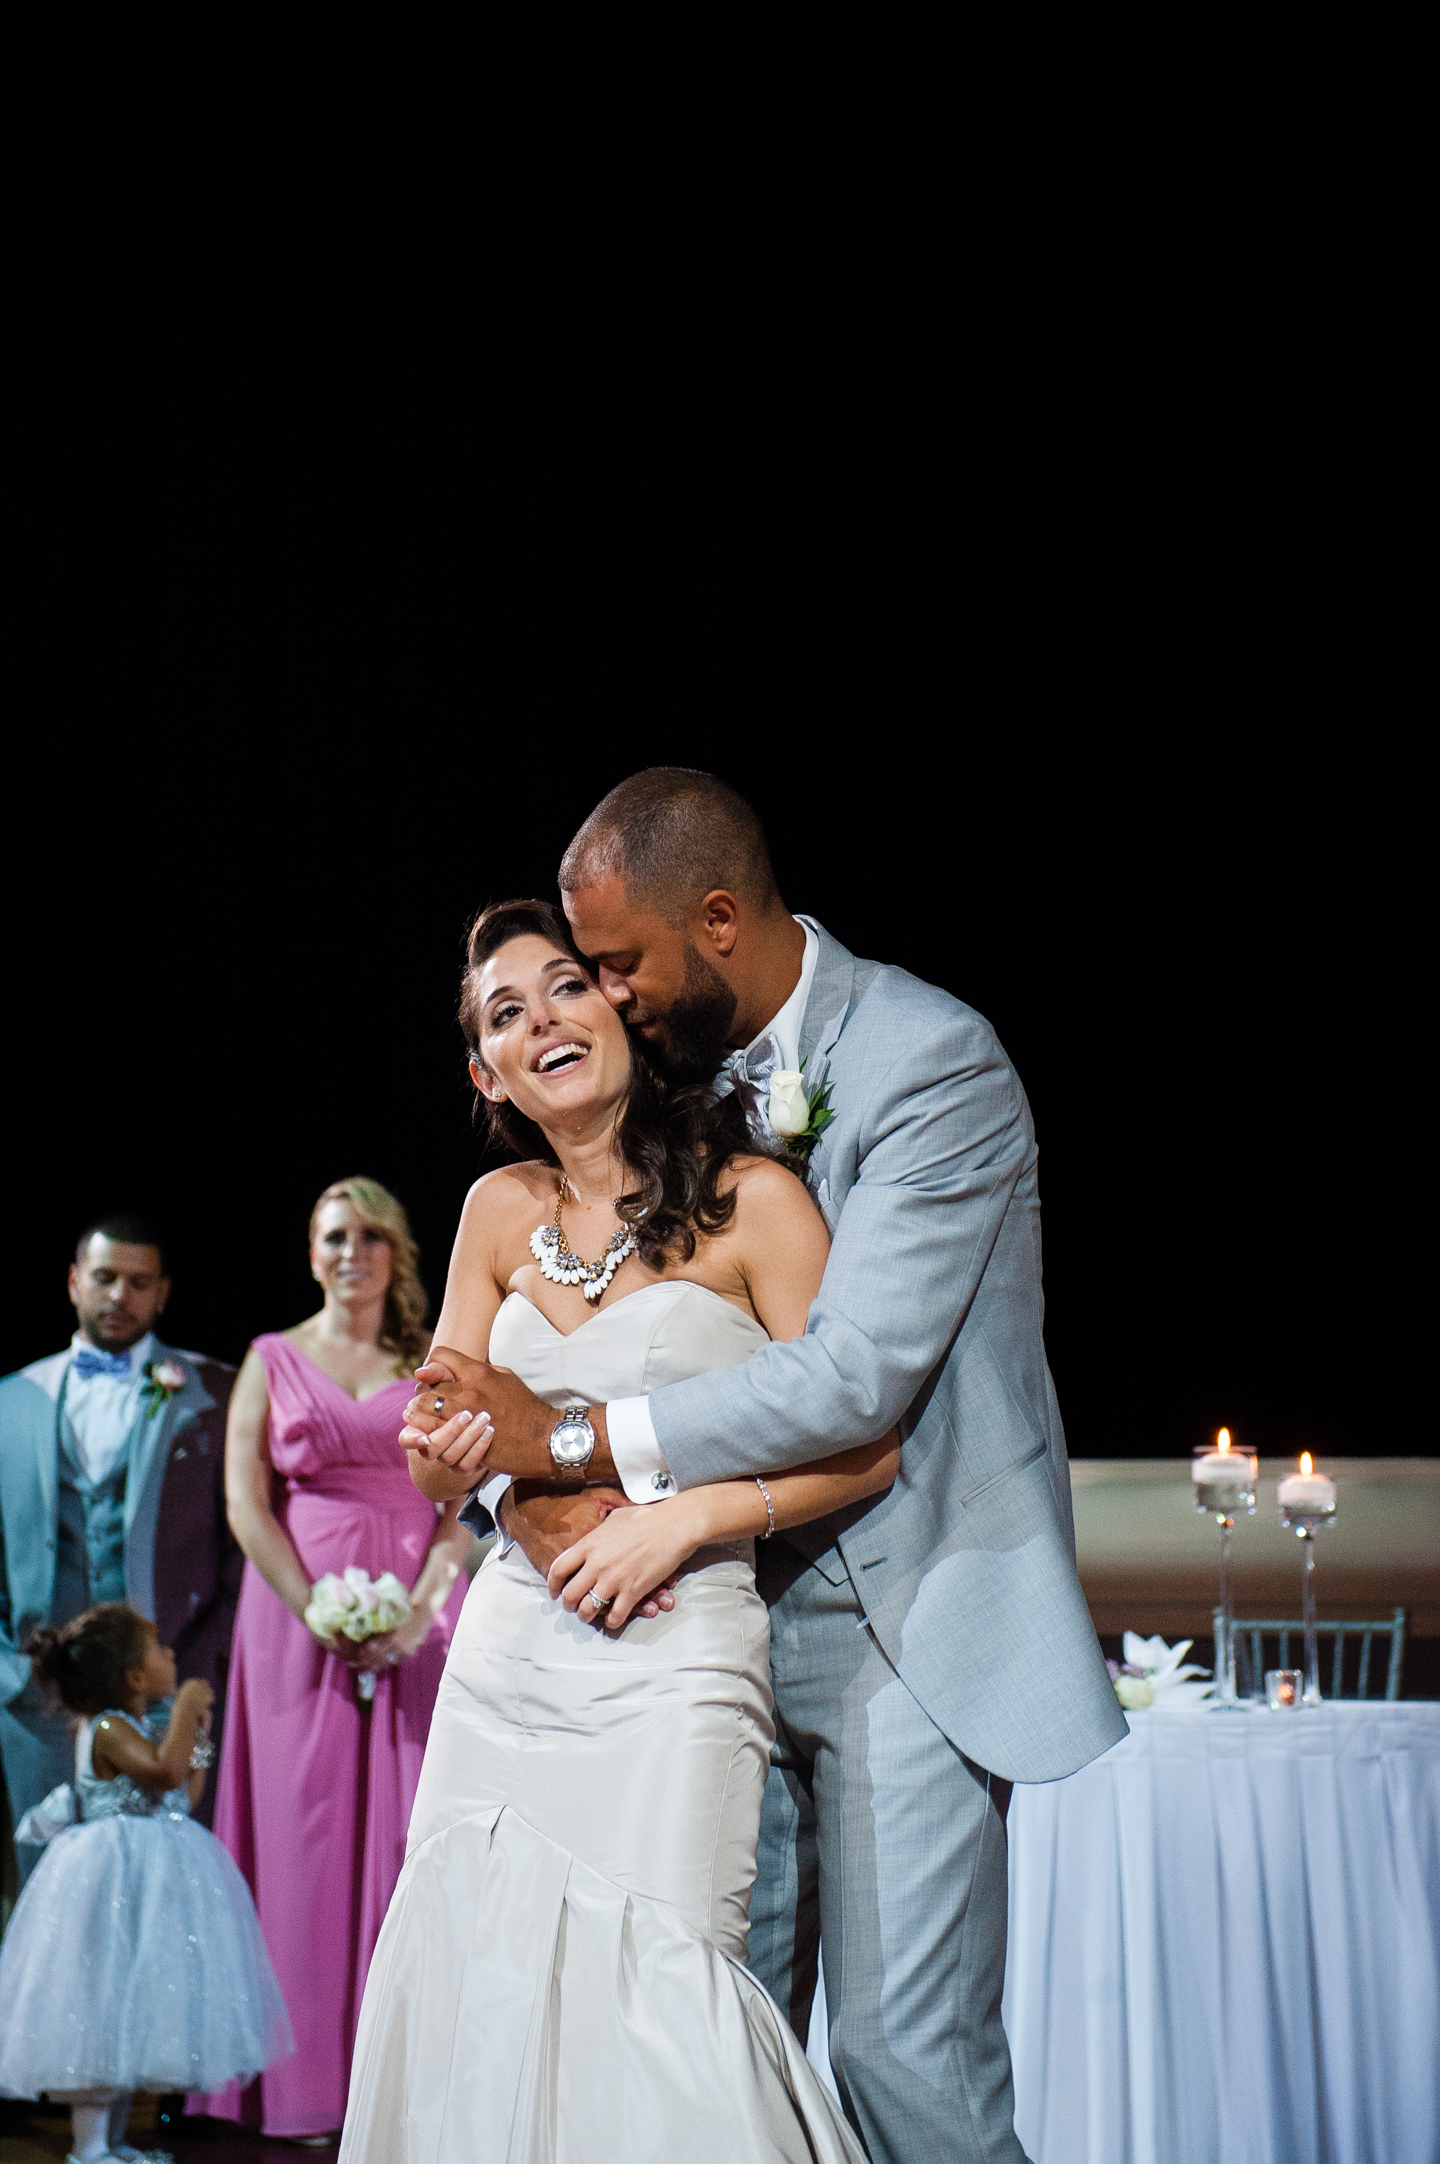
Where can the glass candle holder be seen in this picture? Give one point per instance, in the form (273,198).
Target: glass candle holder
(1224,1483)
(1284,1688)
(1307,1506)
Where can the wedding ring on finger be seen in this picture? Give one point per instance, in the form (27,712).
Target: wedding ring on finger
(600,1601)
(439,1405)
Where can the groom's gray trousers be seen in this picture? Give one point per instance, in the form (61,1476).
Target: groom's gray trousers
(885,1844)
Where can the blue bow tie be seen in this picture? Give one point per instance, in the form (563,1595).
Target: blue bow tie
(89,1362)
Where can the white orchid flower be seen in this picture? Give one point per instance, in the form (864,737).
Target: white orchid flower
(1165,1670)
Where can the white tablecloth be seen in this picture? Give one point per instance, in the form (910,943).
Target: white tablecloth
(1225,1943)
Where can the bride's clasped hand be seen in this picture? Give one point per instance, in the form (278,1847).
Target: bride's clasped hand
(578,1510)
(631,1555)
(634,1552)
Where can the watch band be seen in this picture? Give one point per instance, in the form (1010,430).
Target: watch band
(572,1439)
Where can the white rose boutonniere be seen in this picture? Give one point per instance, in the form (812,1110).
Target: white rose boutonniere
(797,1119)
(789,1107)
(162,1379)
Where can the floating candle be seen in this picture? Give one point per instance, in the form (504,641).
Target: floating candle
(1307,1490)
(1224,1477)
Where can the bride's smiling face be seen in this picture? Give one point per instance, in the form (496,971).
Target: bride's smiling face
(550,1040)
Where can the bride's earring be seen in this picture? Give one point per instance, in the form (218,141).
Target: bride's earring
(491,1096)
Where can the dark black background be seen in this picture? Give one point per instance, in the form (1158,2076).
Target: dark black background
(1027,553)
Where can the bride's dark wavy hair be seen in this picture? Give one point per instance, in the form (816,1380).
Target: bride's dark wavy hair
(676,1139)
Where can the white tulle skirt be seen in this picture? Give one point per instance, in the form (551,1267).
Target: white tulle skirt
(560,1978)
(134,1961)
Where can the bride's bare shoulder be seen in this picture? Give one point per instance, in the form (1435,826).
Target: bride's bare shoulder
(763,1188)
(512,1191)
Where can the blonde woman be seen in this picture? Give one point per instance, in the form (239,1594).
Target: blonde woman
(316,1783)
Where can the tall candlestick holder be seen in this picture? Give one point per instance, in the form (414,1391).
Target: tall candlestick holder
(1306,1516)
(1224,1490)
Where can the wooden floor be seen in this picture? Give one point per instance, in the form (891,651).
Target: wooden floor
(40,2133)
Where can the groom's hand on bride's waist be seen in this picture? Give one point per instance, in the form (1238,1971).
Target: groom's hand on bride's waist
(543,1521)
(480,1419)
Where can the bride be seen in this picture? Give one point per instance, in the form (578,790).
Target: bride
(561,1974)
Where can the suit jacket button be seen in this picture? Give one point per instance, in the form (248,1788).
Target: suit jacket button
(179,1452)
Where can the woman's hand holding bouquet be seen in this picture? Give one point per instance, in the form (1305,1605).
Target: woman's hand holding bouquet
(367,1623)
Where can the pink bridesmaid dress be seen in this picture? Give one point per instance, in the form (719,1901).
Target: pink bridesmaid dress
(315,1790)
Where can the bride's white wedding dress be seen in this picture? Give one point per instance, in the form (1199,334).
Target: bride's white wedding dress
(561,1974)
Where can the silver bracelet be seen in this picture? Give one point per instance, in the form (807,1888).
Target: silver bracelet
(769,1507)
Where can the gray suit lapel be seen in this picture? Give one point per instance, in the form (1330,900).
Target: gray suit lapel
(828,1007)
(150,1440)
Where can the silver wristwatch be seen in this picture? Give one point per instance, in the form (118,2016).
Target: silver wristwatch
(572,1441)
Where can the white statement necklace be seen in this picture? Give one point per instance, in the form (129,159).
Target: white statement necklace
(559,1262)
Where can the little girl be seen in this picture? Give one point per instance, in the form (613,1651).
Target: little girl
(134,1958)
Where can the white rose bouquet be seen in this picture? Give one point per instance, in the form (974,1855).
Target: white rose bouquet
(357,1606)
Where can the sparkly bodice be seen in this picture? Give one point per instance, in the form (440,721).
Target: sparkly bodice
(121,1797)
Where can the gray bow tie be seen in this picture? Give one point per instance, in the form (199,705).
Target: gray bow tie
(748,1074)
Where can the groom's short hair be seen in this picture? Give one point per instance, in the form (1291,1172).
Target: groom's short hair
(672,835)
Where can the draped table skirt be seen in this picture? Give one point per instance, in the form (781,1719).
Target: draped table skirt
(1225,1943)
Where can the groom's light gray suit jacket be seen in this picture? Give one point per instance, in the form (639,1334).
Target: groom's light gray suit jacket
(930,1315)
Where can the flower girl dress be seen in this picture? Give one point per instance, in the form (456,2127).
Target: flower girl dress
(134,1958)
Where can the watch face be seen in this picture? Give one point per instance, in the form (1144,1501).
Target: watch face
(572,1443)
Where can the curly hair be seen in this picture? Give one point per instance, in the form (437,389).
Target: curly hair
(85,1663)
(676,1140)
(407,1304)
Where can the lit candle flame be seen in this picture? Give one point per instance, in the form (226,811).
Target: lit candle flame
(1222,1440)
(1306,1463)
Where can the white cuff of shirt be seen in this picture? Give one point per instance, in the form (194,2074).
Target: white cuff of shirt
(644,1474)
(488,1497)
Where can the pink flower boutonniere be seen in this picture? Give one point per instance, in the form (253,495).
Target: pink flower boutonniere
(162,1379)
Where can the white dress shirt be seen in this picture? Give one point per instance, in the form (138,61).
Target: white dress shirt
(644,1474)
(101,1408)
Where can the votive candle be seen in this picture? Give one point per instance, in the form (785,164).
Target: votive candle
(1307,1490)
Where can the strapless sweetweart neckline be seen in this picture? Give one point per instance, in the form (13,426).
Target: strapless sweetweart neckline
(665,1284)
(561,1974)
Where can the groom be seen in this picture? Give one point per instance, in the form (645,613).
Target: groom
(928,1647)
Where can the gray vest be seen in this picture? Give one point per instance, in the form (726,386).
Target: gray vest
(90,1546)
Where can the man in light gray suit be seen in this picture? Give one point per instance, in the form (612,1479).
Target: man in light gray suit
(929,1647)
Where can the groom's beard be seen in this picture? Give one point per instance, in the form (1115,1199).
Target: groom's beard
(697,1026)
